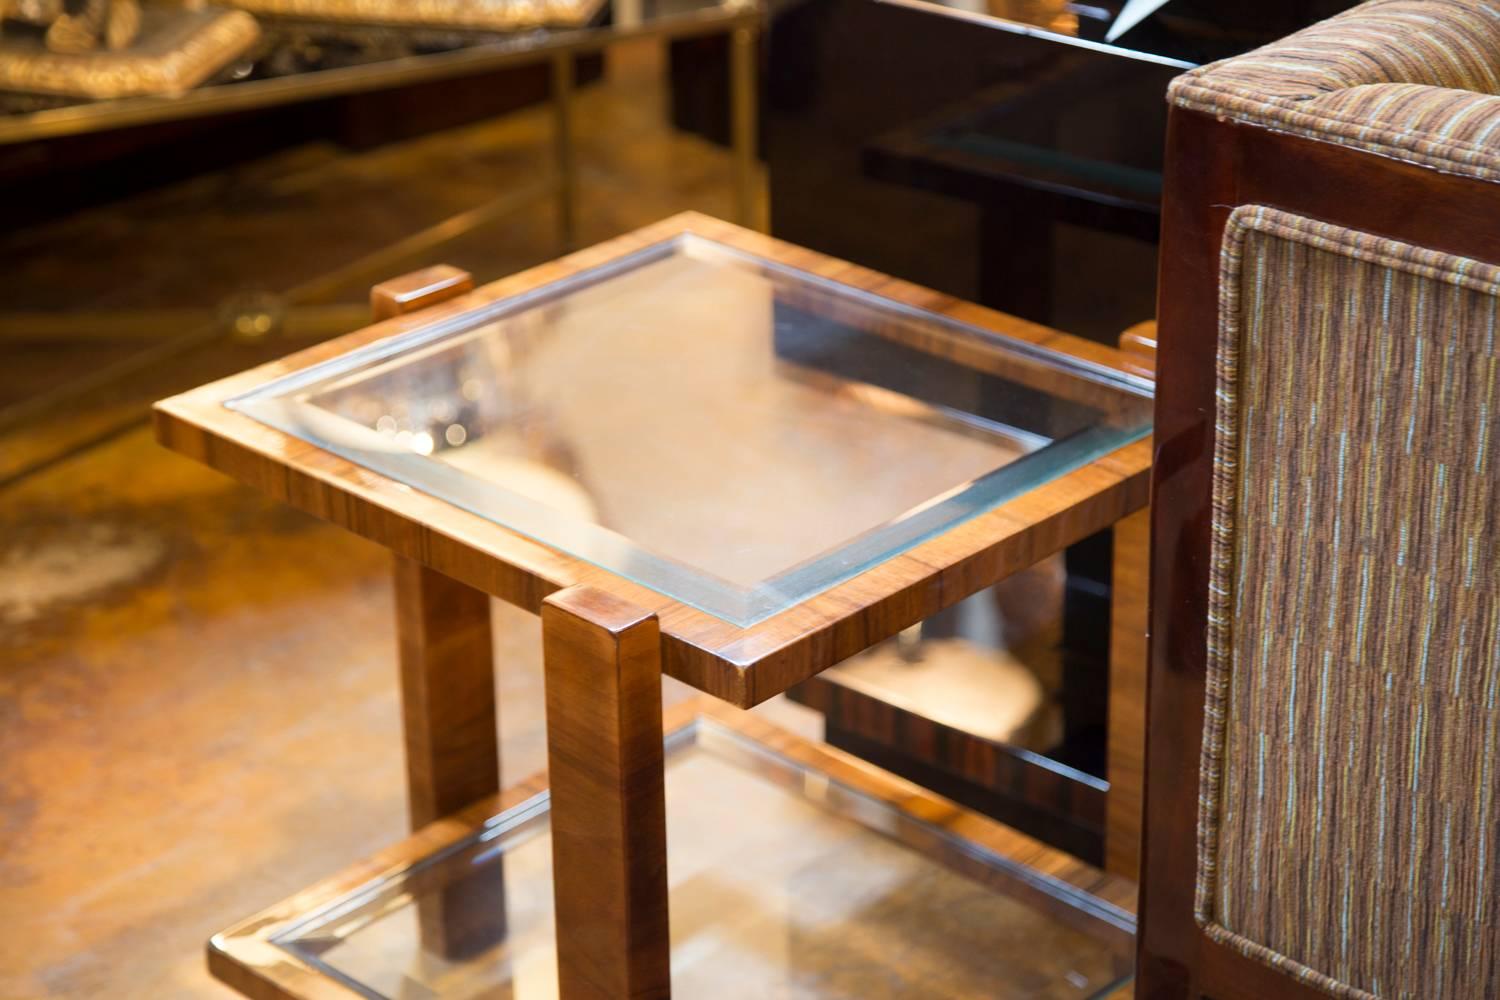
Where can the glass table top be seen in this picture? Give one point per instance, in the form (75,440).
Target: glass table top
(726,430)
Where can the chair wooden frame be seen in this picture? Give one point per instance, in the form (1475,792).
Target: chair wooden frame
(1213,166)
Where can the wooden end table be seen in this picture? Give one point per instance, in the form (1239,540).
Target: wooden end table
(692,450)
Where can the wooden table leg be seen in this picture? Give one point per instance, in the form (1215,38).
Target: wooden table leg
(1129,621)
(447,691)
(609,823)
(452,751)
(1125,800)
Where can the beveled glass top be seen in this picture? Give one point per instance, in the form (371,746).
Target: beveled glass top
(734,433)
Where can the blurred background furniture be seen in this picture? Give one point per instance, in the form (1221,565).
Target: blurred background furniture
(1325,692)
(109,49)
(1001,151)
(254,208)
(301,61)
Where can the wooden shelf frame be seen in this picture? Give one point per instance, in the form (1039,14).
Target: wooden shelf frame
(247,957)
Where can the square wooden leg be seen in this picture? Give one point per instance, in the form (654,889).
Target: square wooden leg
(452,752)
(1127,696)
(1129,622)
(609,821)
(447,689)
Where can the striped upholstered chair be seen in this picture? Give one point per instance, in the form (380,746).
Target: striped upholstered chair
(1323,791)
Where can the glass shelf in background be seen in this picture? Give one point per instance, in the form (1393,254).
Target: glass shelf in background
(805,889)
(350,49)
(731,432)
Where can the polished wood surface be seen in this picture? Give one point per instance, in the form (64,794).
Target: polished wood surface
(1076,894)
(966,766)
(743,666)
(449,724)
(245,958)
(1129,589)
(1212,167)
(609,814)
(1072,891)
(1138,344)
(443,635)
(1129,599)
(418,290)
(447,685)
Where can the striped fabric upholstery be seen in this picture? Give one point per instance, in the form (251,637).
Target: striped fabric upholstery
(1413,79)
(1349,822)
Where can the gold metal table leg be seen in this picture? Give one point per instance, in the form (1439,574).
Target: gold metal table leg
(567,155)
(743,54)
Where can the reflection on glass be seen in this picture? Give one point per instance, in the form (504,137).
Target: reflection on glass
(990,665)
(783,884)
(735,434)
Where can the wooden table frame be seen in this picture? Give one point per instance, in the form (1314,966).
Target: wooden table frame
(607,638)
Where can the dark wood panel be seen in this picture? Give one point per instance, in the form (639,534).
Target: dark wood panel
(1213,167)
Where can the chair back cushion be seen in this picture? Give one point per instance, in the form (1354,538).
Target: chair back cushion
(1349,821)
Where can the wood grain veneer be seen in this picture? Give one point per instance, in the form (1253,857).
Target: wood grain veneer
(996,778)
(1214,166)
(447,692)
(1128,623)
(609,813)
(1126,750)
(418,290)
(742,666)
(1138,345)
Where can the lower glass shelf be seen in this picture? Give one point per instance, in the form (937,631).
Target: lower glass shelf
(795,872)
